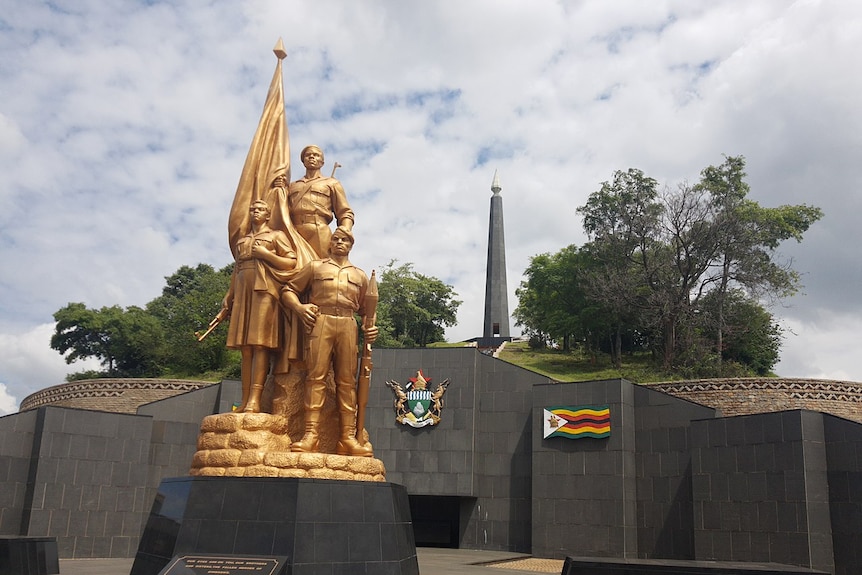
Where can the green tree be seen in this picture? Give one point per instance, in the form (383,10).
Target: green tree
(623,219)
(746,237)
(660,254)
(155,341)
(189,300)
(533,294)
(413,308)
(128,343)
(752,338)
(552,303)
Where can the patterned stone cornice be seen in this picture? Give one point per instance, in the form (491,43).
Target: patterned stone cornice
(745,396)
(123,395)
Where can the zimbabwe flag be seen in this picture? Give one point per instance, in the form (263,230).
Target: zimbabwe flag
(577,422)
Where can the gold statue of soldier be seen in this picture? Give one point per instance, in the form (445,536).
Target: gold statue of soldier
(334,290)
(292,304)
(314,199)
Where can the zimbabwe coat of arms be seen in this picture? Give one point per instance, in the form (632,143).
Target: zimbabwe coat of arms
(418,406)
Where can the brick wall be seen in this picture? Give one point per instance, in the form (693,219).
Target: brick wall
(746,396)
(115,395)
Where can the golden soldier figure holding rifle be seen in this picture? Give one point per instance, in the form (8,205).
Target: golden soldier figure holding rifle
(295,294)
(335,290)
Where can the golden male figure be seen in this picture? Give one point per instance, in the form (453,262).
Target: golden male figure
(314,199)
(336,291)
(262,258)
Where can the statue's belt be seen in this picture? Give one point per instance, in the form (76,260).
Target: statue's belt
(311,219)
(336,311)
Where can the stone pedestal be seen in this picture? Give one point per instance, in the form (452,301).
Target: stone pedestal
(29,555)
(321,525)
(258,445)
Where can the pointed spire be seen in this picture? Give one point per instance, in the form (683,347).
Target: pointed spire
(279,50)
(496,293)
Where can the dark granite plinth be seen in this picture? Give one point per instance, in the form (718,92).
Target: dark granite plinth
(323,527)
(227,564)
(29,555)
(608,566)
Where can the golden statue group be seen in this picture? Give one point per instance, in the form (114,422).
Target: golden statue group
(292,308)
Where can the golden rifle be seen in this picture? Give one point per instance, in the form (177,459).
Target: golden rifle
(220,317)
(365,363)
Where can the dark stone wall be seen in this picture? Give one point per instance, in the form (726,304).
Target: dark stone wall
(502,516)
(433,460)
(760,489)
(88,481)
(176,425)
(664,498)
(479,451)
(16,447)
(844,464)
(189,407)
(584,495)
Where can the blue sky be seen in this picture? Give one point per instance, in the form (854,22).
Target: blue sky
(124,126)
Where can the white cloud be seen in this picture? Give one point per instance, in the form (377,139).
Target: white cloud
(125,125)
(28,364)
(826,348)
(8,404)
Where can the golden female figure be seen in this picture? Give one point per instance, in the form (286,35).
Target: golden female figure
(262,257)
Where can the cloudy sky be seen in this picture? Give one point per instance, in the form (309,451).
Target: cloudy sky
(124,126)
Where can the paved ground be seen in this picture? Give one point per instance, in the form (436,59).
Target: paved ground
(532,564)
(431,562)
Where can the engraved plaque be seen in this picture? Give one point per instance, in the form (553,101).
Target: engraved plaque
(225,565)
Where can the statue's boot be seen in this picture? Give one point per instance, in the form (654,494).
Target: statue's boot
(253,403)
(348,445)
(246,389)
(309,441)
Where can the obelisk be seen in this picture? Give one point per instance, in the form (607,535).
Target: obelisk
(496,298)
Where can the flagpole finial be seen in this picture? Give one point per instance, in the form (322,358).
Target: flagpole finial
(279,50)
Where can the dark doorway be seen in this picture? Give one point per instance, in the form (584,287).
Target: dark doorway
(435,520)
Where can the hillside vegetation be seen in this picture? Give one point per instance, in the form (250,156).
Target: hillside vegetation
(578,366)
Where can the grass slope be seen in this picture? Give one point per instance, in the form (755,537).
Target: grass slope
(576,366)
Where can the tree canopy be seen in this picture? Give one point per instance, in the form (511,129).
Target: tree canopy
(159,340)
(413,309)
(156,341)
(128,343)
(552,301)
(678,271)
(189,300)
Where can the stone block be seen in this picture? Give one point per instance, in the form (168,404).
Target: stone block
(337,526)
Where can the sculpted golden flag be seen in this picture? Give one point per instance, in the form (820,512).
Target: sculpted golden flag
(266,172)
(265,176)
